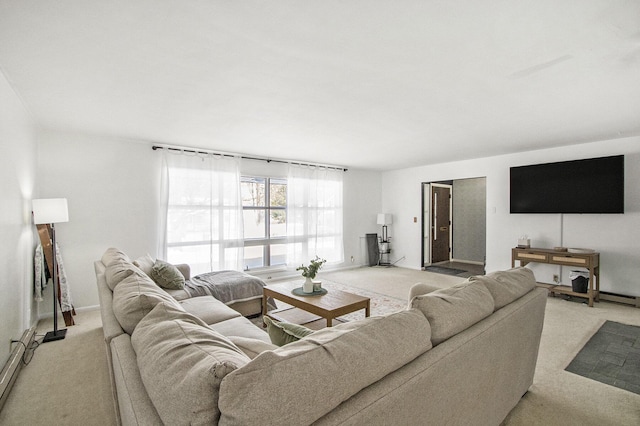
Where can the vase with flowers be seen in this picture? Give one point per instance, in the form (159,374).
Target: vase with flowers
(309,272)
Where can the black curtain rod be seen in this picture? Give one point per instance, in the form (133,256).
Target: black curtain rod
(244,157)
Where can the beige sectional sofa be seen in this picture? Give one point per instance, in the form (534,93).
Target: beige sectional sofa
(460,355)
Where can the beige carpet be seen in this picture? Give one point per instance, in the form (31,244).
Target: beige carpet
(67,381)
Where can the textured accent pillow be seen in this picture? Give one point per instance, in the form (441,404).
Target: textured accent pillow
(145,263)
(306,379)
(251,347)
(181,363)
(282,333)
(134,297)
(507,286)
(166,275)
(454,309)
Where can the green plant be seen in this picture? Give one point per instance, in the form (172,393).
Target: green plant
(313,268)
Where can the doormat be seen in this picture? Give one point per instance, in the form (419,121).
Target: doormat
(611,356)
(442,270)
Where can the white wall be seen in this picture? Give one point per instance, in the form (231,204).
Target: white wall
(614,236)
(112,187)
(17,181)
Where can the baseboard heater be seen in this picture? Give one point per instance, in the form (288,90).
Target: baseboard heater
(14,364)
(620,298)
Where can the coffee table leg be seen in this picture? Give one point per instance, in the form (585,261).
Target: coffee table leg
(367,309)
(329,322)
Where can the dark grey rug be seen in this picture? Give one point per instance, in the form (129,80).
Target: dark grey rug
(446,271)
(611,356)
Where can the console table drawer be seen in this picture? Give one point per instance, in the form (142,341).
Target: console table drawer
(572,260)
(534,257)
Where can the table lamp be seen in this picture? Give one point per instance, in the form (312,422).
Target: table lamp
(384,219)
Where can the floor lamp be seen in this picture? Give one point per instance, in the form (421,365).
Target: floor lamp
(50,211)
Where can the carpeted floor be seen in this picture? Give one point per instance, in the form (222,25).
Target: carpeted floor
(67,381)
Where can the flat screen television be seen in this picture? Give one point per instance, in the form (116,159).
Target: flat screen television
(594,185)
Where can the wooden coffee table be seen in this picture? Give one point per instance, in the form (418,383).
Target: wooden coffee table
(312,311)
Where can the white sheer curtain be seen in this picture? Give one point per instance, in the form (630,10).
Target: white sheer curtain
(202,211)
(314,214)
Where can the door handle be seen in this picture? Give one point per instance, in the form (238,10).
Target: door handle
(443,228)
(435,215)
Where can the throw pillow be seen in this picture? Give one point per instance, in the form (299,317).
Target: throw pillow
(167,276)
(282,333)
(454,309)
(251,347)
(113,255)
(134,297)
(507,286)
(316,374)
(182,363)
(145,263)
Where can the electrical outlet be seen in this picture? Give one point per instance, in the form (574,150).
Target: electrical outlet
(556,278)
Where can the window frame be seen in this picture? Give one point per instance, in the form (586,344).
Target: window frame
(267,241)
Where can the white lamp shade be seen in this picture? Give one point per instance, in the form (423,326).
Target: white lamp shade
(50,210)
(385,219)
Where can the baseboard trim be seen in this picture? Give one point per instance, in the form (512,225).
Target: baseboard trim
(620,298)
(48,315)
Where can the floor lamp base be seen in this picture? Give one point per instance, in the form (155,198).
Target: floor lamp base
(52,336)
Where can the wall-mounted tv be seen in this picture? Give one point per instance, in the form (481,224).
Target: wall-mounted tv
(594,185)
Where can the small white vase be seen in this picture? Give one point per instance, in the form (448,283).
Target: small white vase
(307,287)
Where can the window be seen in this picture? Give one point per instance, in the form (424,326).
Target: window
(202,218)
(264,205)
(213,218)
(314,208)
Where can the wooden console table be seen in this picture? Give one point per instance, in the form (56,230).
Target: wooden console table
(589,261)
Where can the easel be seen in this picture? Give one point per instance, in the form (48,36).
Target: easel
(44,231)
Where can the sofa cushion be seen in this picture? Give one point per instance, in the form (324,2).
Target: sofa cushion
(240,326)
(166,275)
(145,263)
(118,270)
(454,309)
(134,297)
(282,333)
(507,286)
(181,363)
(208,309)
(302,381)
(418,289)
(251,347)
(112,255)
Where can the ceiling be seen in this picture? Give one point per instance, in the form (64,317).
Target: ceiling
(367,84)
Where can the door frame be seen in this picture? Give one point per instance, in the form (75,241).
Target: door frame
(427,234)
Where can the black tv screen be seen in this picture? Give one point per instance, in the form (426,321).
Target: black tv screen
(595,185)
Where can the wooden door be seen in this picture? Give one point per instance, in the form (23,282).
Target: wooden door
(440,223)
